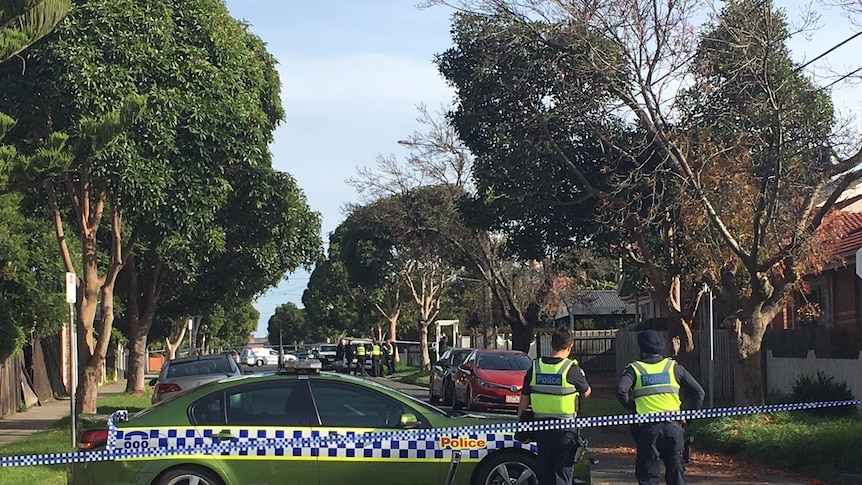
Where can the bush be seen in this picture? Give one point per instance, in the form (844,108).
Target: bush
(823,388)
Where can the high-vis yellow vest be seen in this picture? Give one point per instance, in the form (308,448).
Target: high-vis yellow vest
(375,350)
(551,394)
(656,389)
(360,350)
(390,349)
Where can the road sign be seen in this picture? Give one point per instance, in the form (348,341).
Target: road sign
(71,288)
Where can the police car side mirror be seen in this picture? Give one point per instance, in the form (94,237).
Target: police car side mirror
(408,421)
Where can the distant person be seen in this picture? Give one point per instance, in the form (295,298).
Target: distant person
(443,344)
(376,356)
(361,358)
(340,352)
(652,385)
(552,389)
(388,356)
(349,355)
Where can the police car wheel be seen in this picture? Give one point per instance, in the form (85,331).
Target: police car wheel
(191,475)
(259,363)
(506,468)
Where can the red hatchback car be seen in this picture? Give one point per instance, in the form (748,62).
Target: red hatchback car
(490,379)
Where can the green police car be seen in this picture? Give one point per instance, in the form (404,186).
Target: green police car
(310,427)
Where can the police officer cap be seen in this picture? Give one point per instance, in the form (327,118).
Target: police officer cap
(650,342)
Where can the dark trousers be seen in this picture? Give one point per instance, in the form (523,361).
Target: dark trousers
(360,366)
(556,456)
(657,443)
(390,365)
(375,365)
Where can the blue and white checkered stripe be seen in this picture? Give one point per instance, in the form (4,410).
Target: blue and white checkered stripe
(126,443)
(269,441)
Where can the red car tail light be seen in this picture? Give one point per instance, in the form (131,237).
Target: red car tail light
(93,438)
(163,388)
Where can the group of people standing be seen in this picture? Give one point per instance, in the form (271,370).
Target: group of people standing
(651,384)
(382,357)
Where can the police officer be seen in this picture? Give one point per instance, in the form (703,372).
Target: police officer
(552,389)
(376,354)
(652,385)
(361,354)
(388,356)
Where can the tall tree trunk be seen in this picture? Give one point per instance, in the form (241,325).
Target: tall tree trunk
(423,344)
(140,311)
(748,375)
(173,341)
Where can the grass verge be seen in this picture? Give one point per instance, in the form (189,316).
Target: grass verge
(58,439)
(828,448)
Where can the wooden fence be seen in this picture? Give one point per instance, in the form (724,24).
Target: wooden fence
(10,384)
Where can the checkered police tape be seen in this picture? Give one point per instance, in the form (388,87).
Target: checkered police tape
(129,449)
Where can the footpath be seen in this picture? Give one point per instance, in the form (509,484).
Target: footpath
(16,427)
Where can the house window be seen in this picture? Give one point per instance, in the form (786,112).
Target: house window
(815,308)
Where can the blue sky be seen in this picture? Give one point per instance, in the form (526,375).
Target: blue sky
(353,72)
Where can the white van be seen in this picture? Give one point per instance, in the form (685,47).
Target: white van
(263,356)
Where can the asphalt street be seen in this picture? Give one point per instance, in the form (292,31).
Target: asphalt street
(610,448)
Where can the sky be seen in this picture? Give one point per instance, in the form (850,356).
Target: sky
(353,73)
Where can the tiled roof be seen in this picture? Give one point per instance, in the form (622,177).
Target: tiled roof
(852,227)
(595,302)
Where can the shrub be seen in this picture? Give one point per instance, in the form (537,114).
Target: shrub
(823,388)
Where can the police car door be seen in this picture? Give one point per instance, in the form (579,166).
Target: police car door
(348,410)
(255,412)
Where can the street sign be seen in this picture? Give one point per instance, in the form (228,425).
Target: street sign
(71,288)
(859,262)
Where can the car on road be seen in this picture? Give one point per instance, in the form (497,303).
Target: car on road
(185,373)
(441,386)
(264,356)
(301,403)
(490,379)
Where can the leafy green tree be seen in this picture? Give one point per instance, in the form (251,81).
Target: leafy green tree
(230,324)
(212,105)
(31,281)
(334,305)
(289,325)
(24,22)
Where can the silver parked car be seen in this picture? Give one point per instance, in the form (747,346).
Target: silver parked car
(189,372)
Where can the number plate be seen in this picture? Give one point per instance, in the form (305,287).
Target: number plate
(513,399)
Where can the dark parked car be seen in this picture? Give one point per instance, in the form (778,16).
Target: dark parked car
(490,379)
(441,385)
(188,372)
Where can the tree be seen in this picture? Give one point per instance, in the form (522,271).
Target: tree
(209,120)
(23,23)
(288,324)
(31,291)
(622,69)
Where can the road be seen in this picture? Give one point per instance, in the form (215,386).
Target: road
(613,453)
(613,450)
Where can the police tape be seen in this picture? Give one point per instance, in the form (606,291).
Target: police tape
(113,452)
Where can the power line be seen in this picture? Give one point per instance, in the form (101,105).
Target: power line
(857,34)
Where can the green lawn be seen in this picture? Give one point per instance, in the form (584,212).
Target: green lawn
(57,439)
